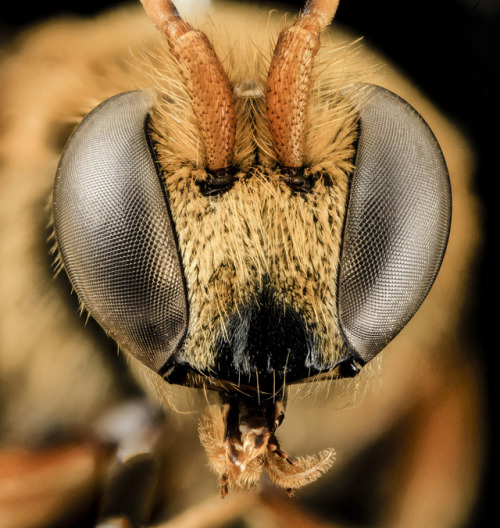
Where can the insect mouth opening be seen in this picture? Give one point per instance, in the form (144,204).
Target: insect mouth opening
(240,438)
(270,384)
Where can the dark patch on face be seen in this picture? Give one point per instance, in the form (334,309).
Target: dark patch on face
(265,345)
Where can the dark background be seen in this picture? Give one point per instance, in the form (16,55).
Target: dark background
(450,49)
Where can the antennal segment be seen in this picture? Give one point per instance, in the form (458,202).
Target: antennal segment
(289,80)
(206,82)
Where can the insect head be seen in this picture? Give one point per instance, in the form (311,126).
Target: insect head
(245,272)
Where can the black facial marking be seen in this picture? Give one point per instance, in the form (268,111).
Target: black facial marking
(218,182)
(296,179)
(350,368)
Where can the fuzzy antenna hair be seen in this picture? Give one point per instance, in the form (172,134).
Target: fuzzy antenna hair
(289,81)
(206,82)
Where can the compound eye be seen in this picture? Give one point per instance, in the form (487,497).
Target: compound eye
(397,224)
(115,234)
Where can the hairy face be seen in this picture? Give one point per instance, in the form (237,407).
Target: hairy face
(259,256)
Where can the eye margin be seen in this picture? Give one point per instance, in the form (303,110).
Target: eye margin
(111,149)
(399,159)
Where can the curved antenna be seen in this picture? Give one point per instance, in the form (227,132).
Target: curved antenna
(206,82)
(289,81)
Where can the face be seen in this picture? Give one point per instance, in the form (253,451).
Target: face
(240,234)
(260,264)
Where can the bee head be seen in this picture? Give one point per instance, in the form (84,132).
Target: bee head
(223,243)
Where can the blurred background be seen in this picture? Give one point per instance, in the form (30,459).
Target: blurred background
(451,50)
